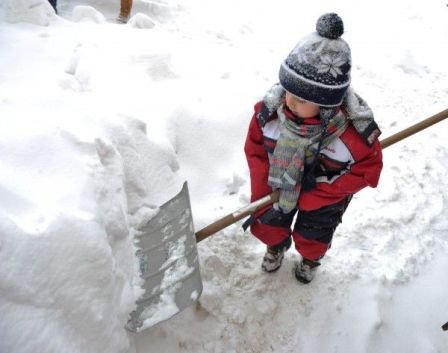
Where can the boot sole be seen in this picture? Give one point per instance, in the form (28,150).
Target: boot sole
(270,271)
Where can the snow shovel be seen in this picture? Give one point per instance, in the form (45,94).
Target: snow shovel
(167,253)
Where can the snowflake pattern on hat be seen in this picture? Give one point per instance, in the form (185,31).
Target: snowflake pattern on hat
(332,65)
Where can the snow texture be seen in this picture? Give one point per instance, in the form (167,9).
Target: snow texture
(102,123)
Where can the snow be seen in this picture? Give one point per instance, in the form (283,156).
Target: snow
(102,123)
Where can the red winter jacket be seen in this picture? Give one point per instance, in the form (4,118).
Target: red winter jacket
(346,166)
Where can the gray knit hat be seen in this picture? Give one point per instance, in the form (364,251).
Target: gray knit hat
(318,68)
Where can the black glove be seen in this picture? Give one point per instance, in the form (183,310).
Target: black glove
(275,215)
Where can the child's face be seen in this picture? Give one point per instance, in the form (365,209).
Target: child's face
(301,108)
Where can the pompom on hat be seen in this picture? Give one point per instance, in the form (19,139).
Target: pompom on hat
(318,68)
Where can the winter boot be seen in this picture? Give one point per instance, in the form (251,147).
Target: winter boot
(122,19)
(273,258)
(306,270)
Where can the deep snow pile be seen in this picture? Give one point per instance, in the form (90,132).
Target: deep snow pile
(102,123)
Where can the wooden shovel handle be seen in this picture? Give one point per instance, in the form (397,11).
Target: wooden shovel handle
(411,130)
(273,197)
(236,216)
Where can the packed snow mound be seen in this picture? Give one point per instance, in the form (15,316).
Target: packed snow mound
(38,12)
(69,195)
(140,20)
(87,14)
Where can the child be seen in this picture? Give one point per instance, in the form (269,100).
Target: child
(314,139)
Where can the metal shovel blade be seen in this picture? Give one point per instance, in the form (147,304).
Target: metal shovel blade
(168,261)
